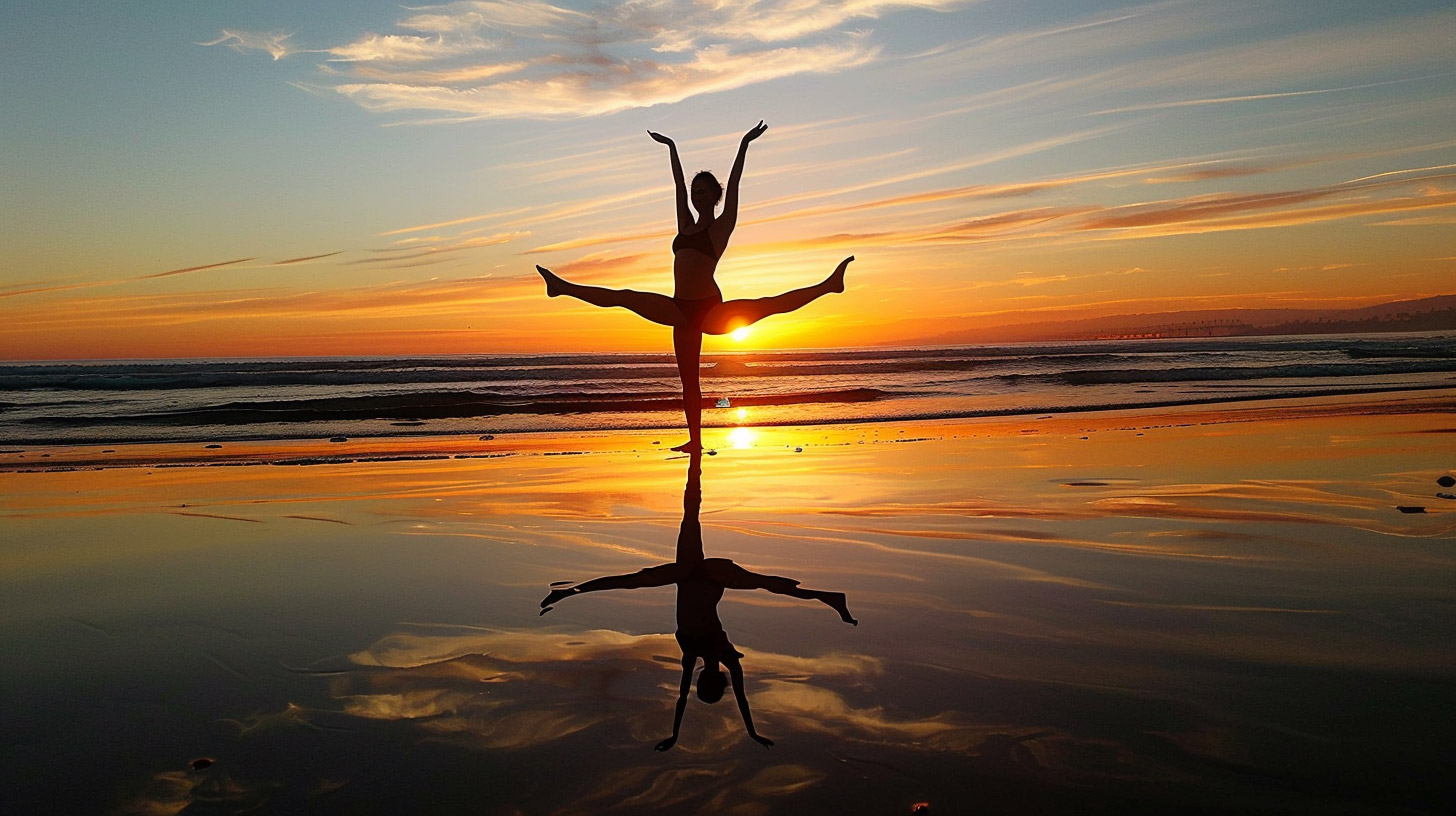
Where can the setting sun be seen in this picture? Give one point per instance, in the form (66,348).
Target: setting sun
(740,334)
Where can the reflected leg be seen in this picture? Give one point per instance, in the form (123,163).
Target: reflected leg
(690,534)
(650,305)
(733,576)
(660,575)
(735,314)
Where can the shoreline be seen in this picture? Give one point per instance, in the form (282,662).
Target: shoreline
(51,458)
(1184,591)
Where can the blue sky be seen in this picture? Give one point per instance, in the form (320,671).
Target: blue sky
(184,178)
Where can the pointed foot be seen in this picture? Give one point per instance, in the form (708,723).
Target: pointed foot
(556,595)
(835,281)
(690,446)
(838,603)
(553,283)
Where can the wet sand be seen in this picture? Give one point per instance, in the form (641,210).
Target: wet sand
(1161,611)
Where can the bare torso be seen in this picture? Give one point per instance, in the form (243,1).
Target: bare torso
(697,604)
(692,269)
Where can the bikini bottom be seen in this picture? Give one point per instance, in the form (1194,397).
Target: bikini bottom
(707,645)
(696,309)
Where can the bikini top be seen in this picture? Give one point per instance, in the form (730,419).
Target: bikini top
(699,240)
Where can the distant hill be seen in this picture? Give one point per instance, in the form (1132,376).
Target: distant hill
(1426,314)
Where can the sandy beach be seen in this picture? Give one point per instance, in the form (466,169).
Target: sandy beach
(1177,610)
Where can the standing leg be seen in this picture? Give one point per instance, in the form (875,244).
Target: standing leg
(654,307)
(687,343)
(735,314)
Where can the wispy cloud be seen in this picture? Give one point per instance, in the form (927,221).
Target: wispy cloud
(275,43)
(586,89)
(485,59)
(187,269)
(1224,100)
(1176,216)
(306,258)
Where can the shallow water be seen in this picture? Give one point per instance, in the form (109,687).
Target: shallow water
(1115,616)
(109,402)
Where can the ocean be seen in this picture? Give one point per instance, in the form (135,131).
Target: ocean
(300,398)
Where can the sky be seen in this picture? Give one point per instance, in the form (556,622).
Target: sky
(282,178)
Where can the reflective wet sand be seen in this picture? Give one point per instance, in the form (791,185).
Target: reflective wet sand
(1154,612)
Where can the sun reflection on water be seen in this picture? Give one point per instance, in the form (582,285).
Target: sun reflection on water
(741,437)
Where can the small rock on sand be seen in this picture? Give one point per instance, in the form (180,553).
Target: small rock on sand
(487,437)
(338,439)
(201,764)
(213,447)
(1406,509)
(1446,481)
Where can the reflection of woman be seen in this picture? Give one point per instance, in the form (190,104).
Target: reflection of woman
(700,583)
(697,306)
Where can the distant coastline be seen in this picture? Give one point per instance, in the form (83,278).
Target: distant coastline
(1432,314)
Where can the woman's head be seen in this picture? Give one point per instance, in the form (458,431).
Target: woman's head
(705,191)
(711,683)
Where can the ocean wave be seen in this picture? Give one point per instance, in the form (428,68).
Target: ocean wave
(1240,373)
(439,405)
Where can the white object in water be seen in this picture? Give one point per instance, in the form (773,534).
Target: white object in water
(723,402)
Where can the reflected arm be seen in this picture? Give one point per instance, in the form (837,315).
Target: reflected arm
(735,671)
(682,701)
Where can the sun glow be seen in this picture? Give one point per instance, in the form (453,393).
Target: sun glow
(741,437)
(740,334)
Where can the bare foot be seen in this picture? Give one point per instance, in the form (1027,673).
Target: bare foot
(556,595)
(835,281)
(553,283)
(690,446)
(837,602)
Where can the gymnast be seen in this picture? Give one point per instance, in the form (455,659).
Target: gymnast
(700,584)
(697,306)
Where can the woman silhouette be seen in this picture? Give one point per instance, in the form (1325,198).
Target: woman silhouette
(697,306)
(700,583)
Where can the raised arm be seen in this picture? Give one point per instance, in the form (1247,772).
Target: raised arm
(735,671)
(729,218)
(684,215)
(682,701)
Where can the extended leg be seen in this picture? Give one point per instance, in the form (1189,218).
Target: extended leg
(687,343)
(735,314)
(660,575)
(733,576)
(654,307)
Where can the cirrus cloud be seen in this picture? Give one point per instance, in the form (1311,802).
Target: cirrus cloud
(481,59)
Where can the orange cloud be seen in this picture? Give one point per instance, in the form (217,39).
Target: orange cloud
(194,268)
